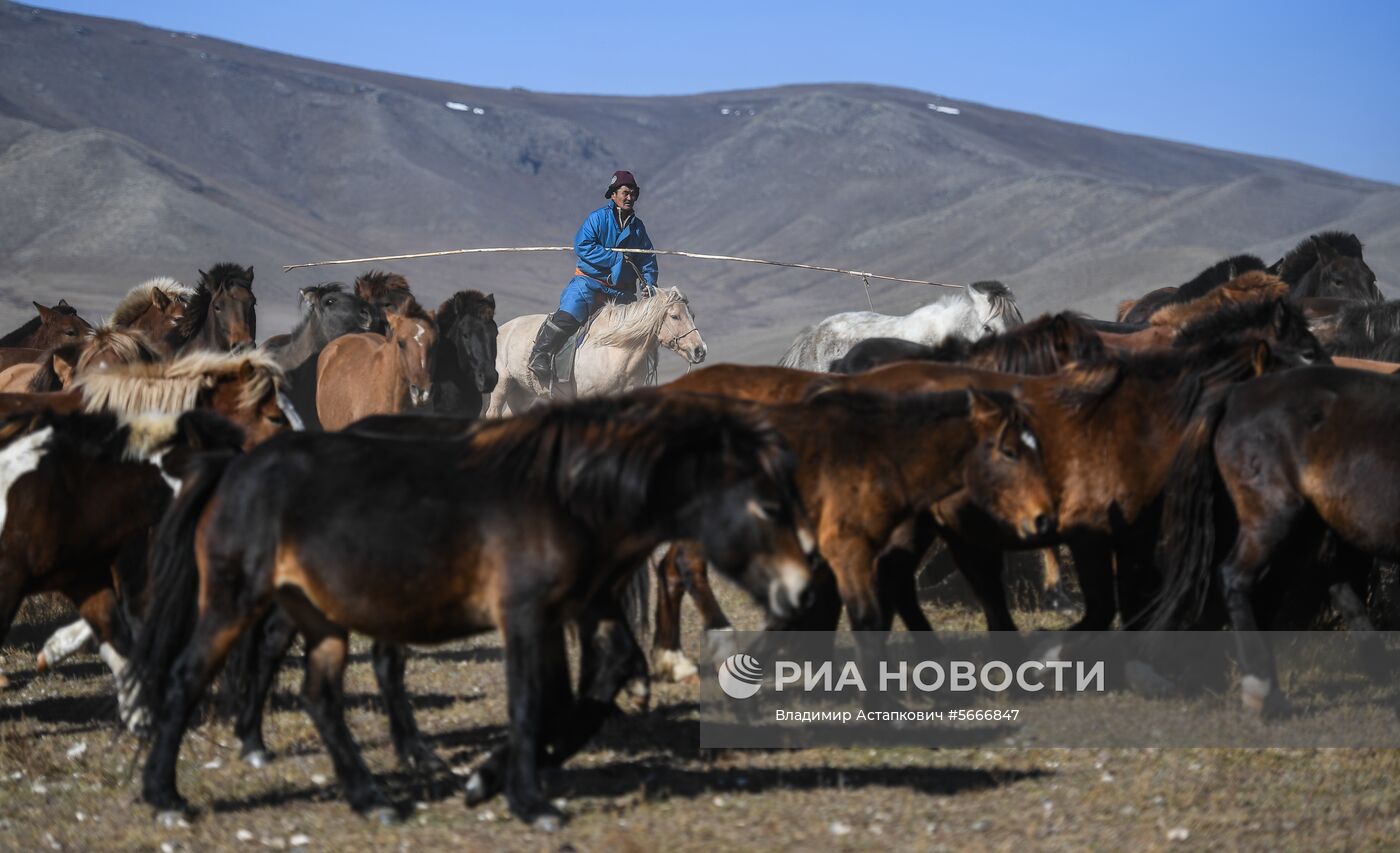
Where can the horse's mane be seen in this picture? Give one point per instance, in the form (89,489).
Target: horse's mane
(196,311)
(134,304)
(1002,300)
(226,274)
(1301,258)
(14,338)
(1253,286)
(175,386)
(1235,319)
(1364,326)
(129,348)
(1033,348)
(611,461)
(1217,274)
(465,303)
(633,324)
(1191,371)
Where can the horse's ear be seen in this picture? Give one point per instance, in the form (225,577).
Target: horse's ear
(63,303)
(983,410)
(491,300)
(1280,316)
(1325,253)
(45,314)
(1263,354)
(160,299)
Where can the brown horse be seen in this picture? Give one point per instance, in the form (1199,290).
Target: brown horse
(78,494)
(221,313)
(1255,286)
(1138,311)
(53,326)
(388,291)
(156,310)
(1095,423)
(1297,455)
(868,465)
(96,350)
(366,374)
(546,516)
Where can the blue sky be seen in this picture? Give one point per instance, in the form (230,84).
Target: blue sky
(1314,82)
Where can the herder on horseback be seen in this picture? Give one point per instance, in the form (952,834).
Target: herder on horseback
(599,273)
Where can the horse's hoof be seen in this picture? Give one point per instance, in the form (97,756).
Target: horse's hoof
(41,664)
(638,694)
(172,819)
(548,819)
(383,815)
(672,665)
(478,789)
(1262,700)
(4,682)
(257,759)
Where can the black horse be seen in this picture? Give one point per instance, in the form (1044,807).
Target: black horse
(544,519)
(464,373)
(222,313)
(1328,264)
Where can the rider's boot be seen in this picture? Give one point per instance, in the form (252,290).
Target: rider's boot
(554,331)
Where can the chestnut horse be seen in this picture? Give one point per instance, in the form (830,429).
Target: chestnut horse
(1107,432)
(387,291)
(367,374)
(98,349)
(57,325)
(1296,455)
(156,310)
(1138,311)
(544,519)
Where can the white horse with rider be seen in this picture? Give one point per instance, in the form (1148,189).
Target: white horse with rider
(984,308)
(618,353)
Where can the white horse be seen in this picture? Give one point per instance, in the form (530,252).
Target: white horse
(984,308)
(618,354)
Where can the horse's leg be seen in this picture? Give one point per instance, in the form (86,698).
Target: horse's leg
(1052,587)
(671,663)
(11,594)
(1093,564)
(189,676)
(899,589)
(270,641)
(323,697)
(983,569)
(531,642)
(412,748)
(63,644)
(695,574)
(1355,568)
(610,659)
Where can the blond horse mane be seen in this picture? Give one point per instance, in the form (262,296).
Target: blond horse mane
(128,347)
(634,324)
(134,304)
(175,386)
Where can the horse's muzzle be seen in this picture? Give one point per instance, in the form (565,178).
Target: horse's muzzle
(419,395)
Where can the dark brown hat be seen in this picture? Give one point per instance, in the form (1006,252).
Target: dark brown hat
(622,179)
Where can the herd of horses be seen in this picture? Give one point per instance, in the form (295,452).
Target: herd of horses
(1217,455)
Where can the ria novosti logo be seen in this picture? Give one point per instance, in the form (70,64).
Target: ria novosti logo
(740,676)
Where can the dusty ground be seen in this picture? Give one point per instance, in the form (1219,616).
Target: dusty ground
(67,780)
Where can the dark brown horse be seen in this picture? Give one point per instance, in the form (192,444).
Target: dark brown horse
(1043,345)
(221,313)
(53,326)
(387,291)
(464,371)
(1328,264)
(546,516)
(155,310)
(78,494)
(1298,455)
(1138,311)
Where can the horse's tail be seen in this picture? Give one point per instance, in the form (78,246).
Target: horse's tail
(636,597)
(796,355)
(173,611)
(1186,540)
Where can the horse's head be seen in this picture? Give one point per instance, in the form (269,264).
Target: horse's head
(335,312)
(1279,323)
(58,325)
(415,337)
(387,291)
(472,336)
(995,307)
(678,330)
(247,390)
(1342,275)
(164,319)
(1004,474)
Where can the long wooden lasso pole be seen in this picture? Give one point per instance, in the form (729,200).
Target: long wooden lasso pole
(858,273)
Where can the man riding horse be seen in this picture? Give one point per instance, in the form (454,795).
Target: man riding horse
(600,272)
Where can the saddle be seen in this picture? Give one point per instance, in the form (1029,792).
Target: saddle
(564,361)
